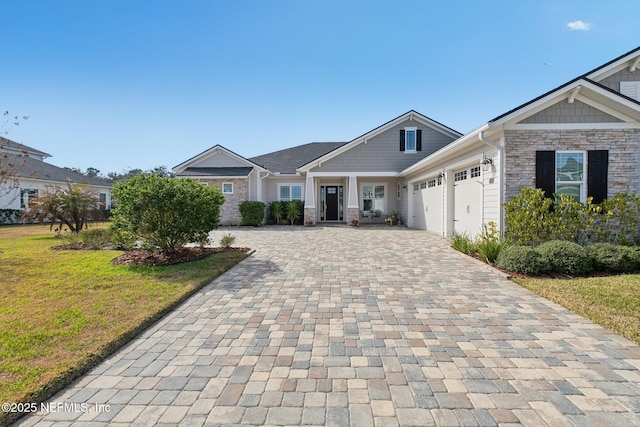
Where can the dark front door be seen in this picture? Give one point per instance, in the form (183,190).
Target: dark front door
(332,203)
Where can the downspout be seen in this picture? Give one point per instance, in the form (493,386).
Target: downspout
(500,176)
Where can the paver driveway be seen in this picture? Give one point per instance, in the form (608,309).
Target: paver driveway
(362,326)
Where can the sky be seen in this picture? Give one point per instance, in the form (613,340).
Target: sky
(123,84)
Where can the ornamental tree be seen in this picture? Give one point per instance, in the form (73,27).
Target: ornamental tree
(73,206)
(164,213)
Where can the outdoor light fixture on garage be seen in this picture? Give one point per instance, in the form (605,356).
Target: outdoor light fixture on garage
(487,162)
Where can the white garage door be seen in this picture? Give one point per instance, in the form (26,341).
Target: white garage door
(467,201)
(418,208)
(427,205)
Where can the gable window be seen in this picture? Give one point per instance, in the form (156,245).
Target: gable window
(410,140)
(570,174)
(227,188)
(373,197)
(26,195)
(290,192)
(579,174)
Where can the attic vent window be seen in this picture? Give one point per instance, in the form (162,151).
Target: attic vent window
(630,89)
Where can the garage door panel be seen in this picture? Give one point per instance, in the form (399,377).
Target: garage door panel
(427,206)
(467,201)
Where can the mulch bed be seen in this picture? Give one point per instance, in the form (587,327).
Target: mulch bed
(141,257)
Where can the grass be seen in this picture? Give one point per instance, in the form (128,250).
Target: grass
(63,311)
(610,301)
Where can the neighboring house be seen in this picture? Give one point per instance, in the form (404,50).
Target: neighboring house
(582,139)
(30,175)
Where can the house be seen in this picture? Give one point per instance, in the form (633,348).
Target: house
(27,174)
(581,138)
(338,181)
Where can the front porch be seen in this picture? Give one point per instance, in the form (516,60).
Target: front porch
(367,198)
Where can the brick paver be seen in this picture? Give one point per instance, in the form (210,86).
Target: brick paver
(364,326)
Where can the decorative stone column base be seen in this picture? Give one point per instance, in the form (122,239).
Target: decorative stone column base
(353,213)
(309,215)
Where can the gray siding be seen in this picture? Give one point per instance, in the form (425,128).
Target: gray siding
(220,160)
(382,152)
(613,81)
(563,112)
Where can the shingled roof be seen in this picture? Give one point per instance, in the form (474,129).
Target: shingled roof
(30,168)
(10,146)
(290,159)
(221,171)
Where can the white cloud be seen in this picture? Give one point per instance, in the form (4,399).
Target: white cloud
(579,26)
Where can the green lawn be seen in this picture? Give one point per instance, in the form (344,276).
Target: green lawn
(611,301)
(61,311)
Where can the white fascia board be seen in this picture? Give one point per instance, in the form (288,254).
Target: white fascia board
(346,174)
(46,182)
(613,68)
(216,149)
(214,177)
(571,126)
(446,151)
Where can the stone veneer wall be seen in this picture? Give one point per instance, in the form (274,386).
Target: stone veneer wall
(353,213)
(229,211)
(310,215)
(521,147)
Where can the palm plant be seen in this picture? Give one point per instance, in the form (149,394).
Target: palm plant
(277,211)
(293,211)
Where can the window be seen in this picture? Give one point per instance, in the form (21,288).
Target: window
(415,187)
(290,192)
(399,192)
(570,174)
(431,183)
(410,135)
(227,188)
(410,140)
(103,200)
(373,198)
(423,185)
(567,172)
(26,195)
(460,176)
(475,172)
(439,179)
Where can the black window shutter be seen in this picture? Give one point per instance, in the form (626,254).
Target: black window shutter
(402,144)
(546,172)
(597,172)
(419,140)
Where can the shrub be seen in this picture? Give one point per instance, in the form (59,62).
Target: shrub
(9,216)
(490,243)
(227,240)
(529,216)
(252,213)
(522,259)
(613,258)
(96,238)
(622,219)
(164,213)
(462,242)
(565,257)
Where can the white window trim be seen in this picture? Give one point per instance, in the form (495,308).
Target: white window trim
(227,192)
(583,183)
(291,192)
(415,140)
(385,199)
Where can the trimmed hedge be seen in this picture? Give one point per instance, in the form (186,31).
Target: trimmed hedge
(252,213)
(613,258)
(522,259)
(10,216)
(565,257)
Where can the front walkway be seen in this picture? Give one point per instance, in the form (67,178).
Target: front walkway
(361,326)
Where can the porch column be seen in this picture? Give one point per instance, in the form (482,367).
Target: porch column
(309,200)
(353,207)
